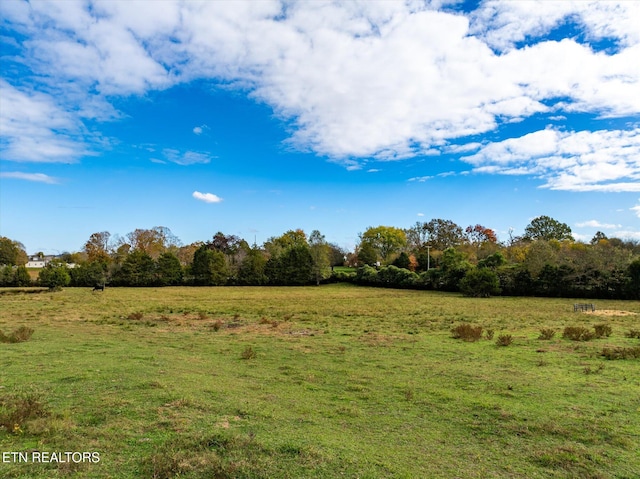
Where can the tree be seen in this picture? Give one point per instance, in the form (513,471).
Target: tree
(12,252)
(154,241)
(209,267)
(54,276)
(319,249)
(97,247)
(599,236)
(546,228)
(293,267)
(168,270)
(442,234)
(480,283)
(366,254)
(276,245)
(251,270)
(402,261)
(89,274)
(138,269)
(386,240)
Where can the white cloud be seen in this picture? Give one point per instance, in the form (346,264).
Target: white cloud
(420,214)
(35,129)
(597,224)
(571,161)
(382,80)
(206,197)
(37,177)
(199,130)
(503,24)
(628,234)
(187,158)
(420,179)
(636,209)
(373,170)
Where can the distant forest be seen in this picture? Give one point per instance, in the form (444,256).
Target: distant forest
(436,255)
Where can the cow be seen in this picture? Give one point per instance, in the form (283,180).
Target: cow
(98,287)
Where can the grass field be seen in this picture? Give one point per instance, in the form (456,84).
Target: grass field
(331,381)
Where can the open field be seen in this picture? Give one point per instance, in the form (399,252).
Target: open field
(331,381)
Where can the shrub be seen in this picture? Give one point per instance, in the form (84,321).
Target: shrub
(20,335)
(547,333)
(216,325)
(504,340)
(15,409)
(621,353)
(633,333)
(489,334)
(602,330)
(480,283)
(466,332)
(248,353)
(136,316)
(577,333)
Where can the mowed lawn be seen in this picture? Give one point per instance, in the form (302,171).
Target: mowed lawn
(330,381)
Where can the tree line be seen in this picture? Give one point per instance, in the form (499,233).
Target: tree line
(438,254)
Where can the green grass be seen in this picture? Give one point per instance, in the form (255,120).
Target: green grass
(331,381)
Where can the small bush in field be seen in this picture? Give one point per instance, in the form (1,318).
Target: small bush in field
(504,340)
(20,335)
(621,353)
(489,334)
(138,315)
(17,408)
(248,353)
(547,333)
(466,332)
(578,333)
(633,333)
(216,325)
(602,330)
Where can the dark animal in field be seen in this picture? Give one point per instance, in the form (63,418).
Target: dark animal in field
(98,287)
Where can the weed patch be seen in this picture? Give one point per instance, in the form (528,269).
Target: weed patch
(633,333)
(504,340)
(17,408)
(621,353)
(466,332)
(20,335)
(602,330)
(578,333)
(137,316)
(547,334)
(248,353)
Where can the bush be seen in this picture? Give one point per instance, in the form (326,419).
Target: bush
(137,316)
(504,340)
(16,408)
(602,330)
(577,333)
(248,353)
(489,334)
(466,332)
(20,335)
(621,353)
(547,333)
(480,283)
(633,333)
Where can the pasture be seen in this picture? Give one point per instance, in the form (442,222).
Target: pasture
(330,381)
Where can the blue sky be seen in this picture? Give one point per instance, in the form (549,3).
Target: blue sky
(252,118)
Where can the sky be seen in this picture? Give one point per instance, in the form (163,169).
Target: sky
(256,117)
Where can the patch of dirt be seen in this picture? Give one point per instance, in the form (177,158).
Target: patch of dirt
(612,312)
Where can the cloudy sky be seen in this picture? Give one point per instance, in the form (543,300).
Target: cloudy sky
(252,118)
